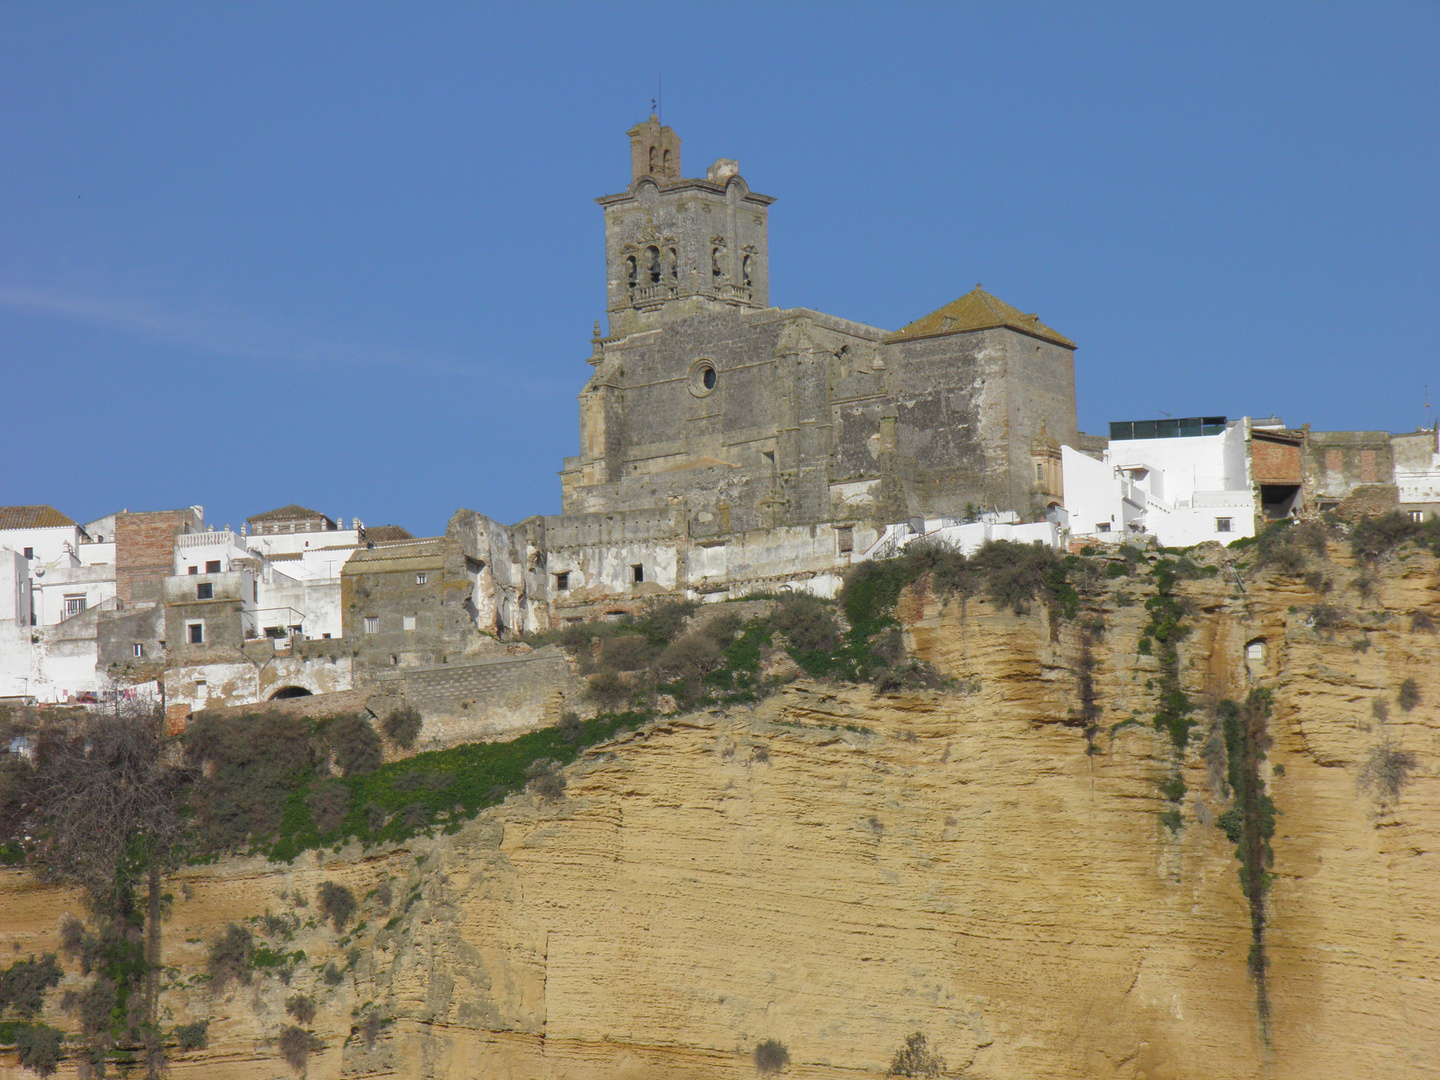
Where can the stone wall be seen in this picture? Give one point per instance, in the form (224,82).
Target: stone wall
(486,698)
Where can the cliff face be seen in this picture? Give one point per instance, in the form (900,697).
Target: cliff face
(837,869)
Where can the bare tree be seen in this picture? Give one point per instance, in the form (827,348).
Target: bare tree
(106,798)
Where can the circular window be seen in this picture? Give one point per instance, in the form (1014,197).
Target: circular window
(703,377)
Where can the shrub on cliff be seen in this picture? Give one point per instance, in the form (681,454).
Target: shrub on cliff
(296,1045)
(194,1036)
(355,743)
(336,903)
(402,726)
(248,766)
(625,652)
(916,1058)
(231,956)
(328,806)
(301,1007)
(770,1057)
(38,1049)
(807,622)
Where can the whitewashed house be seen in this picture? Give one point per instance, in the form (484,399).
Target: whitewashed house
(1181,481)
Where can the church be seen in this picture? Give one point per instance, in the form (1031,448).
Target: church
(728,446)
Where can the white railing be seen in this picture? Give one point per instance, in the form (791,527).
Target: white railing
(208,539)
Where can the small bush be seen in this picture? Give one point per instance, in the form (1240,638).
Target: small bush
(402,726)
(627,652)
(328,806)
(38,1048)
(375,816)
(356,745)
(1421,623)
(301,1007)
(807,622)
(916,1058)
(337,903)
(545,779)
(663,622)
(23,985)
(369,1028)
(296,1045)
(571,727)
(607,688)
(1326,618)
(688,658)
(723,628)
(383,893)
(1409,695)
(332,975)
(194,1036)
(416,815)
(770,1057)
(231,957)
(1373,538)
(1386,772)
(908,675)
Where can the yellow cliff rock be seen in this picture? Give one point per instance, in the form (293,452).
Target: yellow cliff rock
(835,869)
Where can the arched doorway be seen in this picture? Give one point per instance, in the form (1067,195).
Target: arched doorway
(290,692)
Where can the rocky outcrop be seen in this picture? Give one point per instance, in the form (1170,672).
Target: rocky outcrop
(995,865)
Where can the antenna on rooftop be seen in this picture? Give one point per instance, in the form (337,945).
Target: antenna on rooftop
(660,96)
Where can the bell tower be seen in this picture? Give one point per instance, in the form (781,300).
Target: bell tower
(676,247)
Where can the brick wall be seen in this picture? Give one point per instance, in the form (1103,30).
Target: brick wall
(145,551)
(1274,462)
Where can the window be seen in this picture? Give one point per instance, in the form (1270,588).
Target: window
(631,270)
(372,624)
(274,633)
(652,261)
(845,537)
(562,581)
(1039,470)
(421,578)
(295,631)
(74,605)
(192,570)
(407,622)
(637,573)
(195,633)
(1222,524)
(29,553)
(325,636)
(1103,527)
(1417,515)
(205,591)
(139,651)
(213,566)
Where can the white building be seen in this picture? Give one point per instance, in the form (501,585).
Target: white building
(1180,481)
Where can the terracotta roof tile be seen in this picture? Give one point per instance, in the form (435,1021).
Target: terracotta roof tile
(32,517)
(288,513)
(978,310)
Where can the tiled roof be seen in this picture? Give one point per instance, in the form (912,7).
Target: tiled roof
(287,513)
(978,310)
(382,533)
(32,517)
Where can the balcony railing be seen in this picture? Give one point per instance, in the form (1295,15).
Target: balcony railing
(645,294)
(208,539)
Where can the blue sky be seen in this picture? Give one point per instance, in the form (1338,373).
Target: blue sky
(346,255)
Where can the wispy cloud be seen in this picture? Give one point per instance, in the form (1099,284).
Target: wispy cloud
(224,334)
